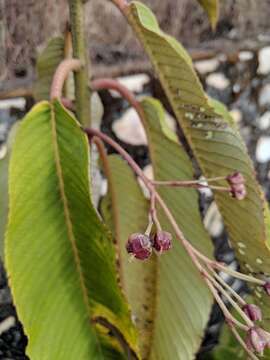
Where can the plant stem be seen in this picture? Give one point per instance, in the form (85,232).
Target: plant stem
(153,212)
(187,182)
(237,274)
(227,314)
(223,283)
(232,302)
(82,92)
(61,74)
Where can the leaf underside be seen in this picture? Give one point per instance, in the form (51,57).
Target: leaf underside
(47,63)
(125,210)
(180,301)
(215,142)
(60,258)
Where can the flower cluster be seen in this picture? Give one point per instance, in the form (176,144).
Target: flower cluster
(141,245)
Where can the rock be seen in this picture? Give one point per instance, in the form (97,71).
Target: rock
(237,115)
(245,55)
(6,324)
(264,62)
(148,172)
(213,221)
(18,103)
(134,83)
(5,296)
(264,121)
(3,151)
(206,66)
(218,81)
(264,97)
(207,192)
(263,149)
(129,128)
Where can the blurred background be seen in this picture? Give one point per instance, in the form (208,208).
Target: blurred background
(233,64)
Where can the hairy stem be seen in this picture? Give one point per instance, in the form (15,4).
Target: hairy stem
(153,212)
(228,316)
(230,289)
(82,92)
(61,73)
(237,274)
(231,301)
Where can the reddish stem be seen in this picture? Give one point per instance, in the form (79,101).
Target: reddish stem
(61,73)
(121,4)
(111,84)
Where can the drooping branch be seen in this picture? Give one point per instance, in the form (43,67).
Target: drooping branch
(61,73)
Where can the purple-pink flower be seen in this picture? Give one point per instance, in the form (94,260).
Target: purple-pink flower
(139,245)
(266,287)
(162,241)
(253,312)
(237,185)
(257,340)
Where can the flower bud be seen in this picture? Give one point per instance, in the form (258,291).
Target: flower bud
(139,245)
(237,184)
(266,287)
(253,312)
(162,241)
(256,340)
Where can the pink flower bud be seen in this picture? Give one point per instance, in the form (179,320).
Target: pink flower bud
(256,340)
(253,312)
(266,287)
(162,241)
(237,184)
(139,245)
(236,178)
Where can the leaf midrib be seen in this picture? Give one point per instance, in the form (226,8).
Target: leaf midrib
(67,216)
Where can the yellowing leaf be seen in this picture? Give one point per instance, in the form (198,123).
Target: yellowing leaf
(212,9)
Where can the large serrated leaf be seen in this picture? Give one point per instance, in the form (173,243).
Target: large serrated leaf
(60,258)
(184,302)
(217,145)
(180,300)
(212,9)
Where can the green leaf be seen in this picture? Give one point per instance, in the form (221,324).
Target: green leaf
(60,258)
(215,142)
(180,300)
(125,210)
(212,9)
(4,187)
(47,63)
